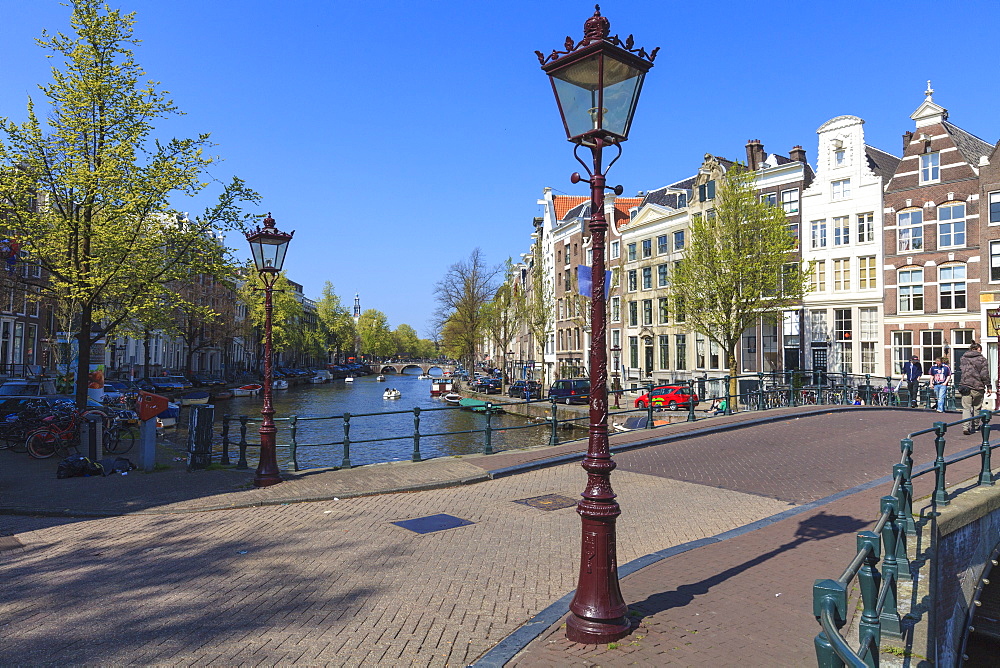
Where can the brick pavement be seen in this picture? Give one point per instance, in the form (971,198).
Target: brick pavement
(335,583)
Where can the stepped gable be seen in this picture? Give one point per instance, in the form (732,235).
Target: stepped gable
(881,163)
(969,145)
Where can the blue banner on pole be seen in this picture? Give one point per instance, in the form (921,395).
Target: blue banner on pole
(585,285)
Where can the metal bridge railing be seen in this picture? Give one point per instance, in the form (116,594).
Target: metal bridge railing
(879,613)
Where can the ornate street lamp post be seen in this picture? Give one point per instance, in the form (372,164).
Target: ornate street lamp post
(597,83)
(268,246)
(993,315)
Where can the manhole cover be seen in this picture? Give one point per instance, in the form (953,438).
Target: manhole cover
(9,543)
(432,523)
(548,502)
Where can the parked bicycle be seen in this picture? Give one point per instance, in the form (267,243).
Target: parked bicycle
(61,433)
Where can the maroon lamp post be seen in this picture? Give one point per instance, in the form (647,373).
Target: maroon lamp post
(268,246)
(597,83)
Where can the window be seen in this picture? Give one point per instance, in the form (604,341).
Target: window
(771,199)
(633,280)
(662,277)
(590,257)
(842,275)
(902,349)
(616,338)
(631,252)
(706,191)
(951,225)
(868,318)
(616,250)
(616,309)
(793,229)
(664,351)
(910,285)
(662,244)
(866,227)
(994,261)
(678,239)
(841,189)
(910,230)
(559,309)
(994,208)
(664,310)
(931,346)
(559,256)
(838,158)
(819,276)
(647,311)
(647,278)
(680,353)
(843,325)
(633,351)
(633,314)
(930,167)
(715,354)
(845,356)
(951,286)
(962,337)
(647,248)
(868,357)
(699,351)
(818,234)
(790,200)
(679,315)
(817,325)
(866,273)
(841,230)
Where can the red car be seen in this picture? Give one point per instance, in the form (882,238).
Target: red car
(671,397)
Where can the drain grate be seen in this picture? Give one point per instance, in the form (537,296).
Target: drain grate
(433,523)
(548,502)
(9,543)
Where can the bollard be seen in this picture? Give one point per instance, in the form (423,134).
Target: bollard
(199,444)
(889,617)
(940,495)
(242,462)
(554,435)
(293,427)
(91,434)
(986,472)
(649,407)
(346,463)
(416,434)
(869,582)
(729,410)
(760,391)
(691,417)
(147,445)
(225,440)
(488,443)
(868,389)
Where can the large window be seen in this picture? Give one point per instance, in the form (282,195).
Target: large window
(771,199)
(678,239)
(994,261)
(993,202)
(633,280)
(647,311)
(647,248)
(664,310)
(662,244)
(910,230)
(843,325)
(633,314)
(902,349)
(817,325)
(631,252)
(951,225)
(616,249)
(841,230)
(951,286)
(842,275)
(790,201)
(931,346)
(866,227)
(866,273)
(910,286)
(633,352)
(706,191)
(647,278)
(930,167)
(818,233)
(841,189)
(680,356)
(699,351)
(868,318)
(819,276)
(662,277)
(664,351)
(616,309)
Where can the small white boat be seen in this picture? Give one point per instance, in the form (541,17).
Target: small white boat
(391,393)
(322,376)
(424,376)
(196,397)
(280,384)
(349,379)
(441,387)
(452,398)
(247,390)
(380,378)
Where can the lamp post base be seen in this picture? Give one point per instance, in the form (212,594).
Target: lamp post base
(596,631)
(266,479)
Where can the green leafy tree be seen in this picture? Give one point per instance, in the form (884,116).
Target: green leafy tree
(89,187)
(376,337)
(461,295)
(335,322)
(407,341)
(286,311)
(505,313)
(738,267)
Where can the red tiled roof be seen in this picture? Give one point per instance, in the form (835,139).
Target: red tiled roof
(563,203)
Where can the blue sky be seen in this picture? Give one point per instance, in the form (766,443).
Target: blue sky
(397,136)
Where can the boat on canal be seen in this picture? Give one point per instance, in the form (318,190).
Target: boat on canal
(441,387)
(391,393)
(251,390)
(452,398)
(192,398)
(280,384)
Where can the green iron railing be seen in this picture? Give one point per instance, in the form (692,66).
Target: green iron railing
(879,613)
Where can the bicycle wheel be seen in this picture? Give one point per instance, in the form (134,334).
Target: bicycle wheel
(121,438)
(42,444)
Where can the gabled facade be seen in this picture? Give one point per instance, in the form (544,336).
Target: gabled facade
(842,240)
(933,242)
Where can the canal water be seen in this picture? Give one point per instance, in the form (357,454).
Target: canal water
(390,431)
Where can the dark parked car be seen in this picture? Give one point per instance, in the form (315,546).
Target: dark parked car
(670,397)
(493,386)
(571,390)
(28,387)
(159,384)
(532,388)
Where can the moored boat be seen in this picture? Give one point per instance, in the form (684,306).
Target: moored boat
(222,395)
(380,378)
(250,390)
(424,376)
(391,393)
(168,417)
(196,397)
(441,386)
(452,398)
(280,384)
(349,379)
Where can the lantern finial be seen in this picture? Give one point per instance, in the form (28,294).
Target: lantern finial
(269,222)
(596,28)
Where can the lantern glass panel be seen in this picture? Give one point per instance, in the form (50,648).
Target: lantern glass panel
(269,252)
(586,106)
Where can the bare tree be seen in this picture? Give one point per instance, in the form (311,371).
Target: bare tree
(467,287)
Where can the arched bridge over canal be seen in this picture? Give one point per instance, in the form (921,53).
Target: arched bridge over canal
(431,368)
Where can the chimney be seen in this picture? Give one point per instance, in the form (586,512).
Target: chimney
(755,154)
(907,138)
(798,154)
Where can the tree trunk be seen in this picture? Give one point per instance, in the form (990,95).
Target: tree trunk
(83,355)
(145,353)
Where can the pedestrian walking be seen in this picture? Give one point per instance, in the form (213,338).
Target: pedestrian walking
(941,378)
(912,371)
(974,384)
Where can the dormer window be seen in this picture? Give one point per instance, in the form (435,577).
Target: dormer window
(930,168)
(838,157)
(706,191)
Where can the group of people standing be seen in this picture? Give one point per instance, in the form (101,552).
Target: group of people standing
(973,387)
